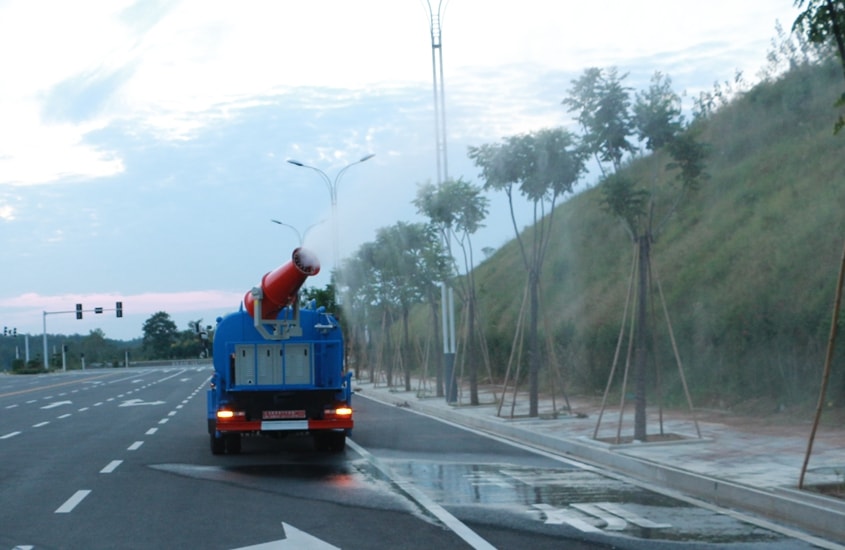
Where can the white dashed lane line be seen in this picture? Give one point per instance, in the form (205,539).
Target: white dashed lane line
(111,466)
(72,502)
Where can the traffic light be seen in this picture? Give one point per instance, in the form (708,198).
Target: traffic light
(5,331)
(118,308)
(15,332)
(79,311)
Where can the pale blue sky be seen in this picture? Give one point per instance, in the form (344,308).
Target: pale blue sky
(143,144)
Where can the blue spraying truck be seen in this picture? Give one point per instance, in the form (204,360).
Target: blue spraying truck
(278,366)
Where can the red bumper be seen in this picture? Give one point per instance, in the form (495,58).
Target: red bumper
(283,425)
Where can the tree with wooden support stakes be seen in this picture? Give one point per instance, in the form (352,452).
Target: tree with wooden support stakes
(542,166)
(616,129)
(457,208)
(823,22)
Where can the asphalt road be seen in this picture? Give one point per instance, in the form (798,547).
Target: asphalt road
(119,458)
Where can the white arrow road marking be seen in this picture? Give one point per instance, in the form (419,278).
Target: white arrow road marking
(71,503)
(138,402)
(55,404)
(630,516)
(559,516)
(613,523)
(294,540)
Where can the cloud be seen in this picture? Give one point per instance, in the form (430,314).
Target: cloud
(37,153)
(85,96)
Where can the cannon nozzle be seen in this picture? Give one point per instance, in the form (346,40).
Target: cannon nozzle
(279,287)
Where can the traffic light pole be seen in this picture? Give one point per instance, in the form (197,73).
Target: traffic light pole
(118,309)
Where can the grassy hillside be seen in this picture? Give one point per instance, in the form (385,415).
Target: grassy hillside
(748,264)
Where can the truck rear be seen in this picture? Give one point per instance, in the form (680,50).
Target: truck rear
(278,367)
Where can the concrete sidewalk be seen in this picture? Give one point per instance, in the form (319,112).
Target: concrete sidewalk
(754,469)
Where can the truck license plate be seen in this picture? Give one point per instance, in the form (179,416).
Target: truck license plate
(282,415)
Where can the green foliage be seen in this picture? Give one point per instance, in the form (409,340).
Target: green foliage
(160,335)
(602,105)
(322,296)
(823,22)
(621,197)
(748,267)
(386,278)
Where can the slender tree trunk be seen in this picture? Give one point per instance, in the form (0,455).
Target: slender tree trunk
(438,345)
(471,350)
(406,352)
(642,337)
(533,344)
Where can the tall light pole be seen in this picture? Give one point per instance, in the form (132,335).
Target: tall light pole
(300,236)
(449,345)
(436,16)
(332,186)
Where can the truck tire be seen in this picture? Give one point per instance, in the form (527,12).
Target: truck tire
(218,445)
(233,443)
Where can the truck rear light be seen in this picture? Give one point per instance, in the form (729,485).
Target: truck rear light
(343,411)
(226,414)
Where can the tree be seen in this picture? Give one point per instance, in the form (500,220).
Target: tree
(191,343)
(543,166)
(323,296)
(386,278)
(823,22)
(411,262)
(457,208)
(96,348)
(603,107)
(160,335)
(362,304)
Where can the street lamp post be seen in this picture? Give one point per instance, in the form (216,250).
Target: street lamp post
(332,186)
(300,236)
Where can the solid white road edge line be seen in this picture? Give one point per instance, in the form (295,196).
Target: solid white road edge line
(740,516)
(468,535)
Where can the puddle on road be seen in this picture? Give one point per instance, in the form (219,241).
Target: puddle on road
(331,479)
(577,498)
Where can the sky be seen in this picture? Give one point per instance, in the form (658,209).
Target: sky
(144,145)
